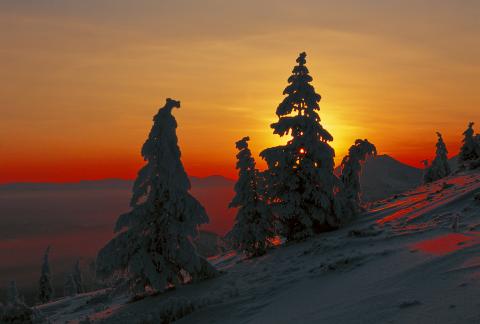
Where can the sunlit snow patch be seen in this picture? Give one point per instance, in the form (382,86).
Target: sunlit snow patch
(447,243)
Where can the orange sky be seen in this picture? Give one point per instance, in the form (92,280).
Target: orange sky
(81,80)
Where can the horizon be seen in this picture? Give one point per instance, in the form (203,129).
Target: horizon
(103,179)
(190,176)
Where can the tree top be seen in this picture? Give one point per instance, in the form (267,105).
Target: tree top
(301,58)
(243,143)
(171,103)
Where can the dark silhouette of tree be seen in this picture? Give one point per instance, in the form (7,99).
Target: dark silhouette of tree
(469,156)
(440,167)
(77,277)
(254,223)
(154,245)
(45,291)
(69,285)
(348,197)
(300,179)
(15,311)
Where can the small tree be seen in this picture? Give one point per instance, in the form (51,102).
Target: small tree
(440,167)
(254,223)
(77,277)
(15,311)
(348,197)
(69,286)
(12,293)
(45,291)
(470,150)
(300,178)
(154,245)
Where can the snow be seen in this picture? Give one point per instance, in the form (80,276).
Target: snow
(399,262)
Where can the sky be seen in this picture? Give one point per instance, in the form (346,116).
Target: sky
(81,80)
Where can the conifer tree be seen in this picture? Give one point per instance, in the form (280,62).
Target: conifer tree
(348,198)
(45,292)
(69,285)
(253,224)
(440,167)
(12,293)
(77,277)
(300,178)
(154,245)
(15,311)
(470,150)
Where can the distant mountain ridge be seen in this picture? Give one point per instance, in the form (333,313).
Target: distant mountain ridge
(381,177)
(83,184)
(214,180)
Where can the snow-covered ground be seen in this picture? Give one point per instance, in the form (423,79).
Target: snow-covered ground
(413,258)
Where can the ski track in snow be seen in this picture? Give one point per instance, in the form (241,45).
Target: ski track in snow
(403,261)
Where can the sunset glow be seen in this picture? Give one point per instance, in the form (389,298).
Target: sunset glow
(81,80)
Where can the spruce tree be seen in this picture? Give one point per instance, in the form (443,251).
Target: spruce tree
(253,224)
(12,293)
(348,198)
(15,311)
(69,285)
(470,150)
(300,178)
(45,291)
(154,245)
(77,277)
(440,167)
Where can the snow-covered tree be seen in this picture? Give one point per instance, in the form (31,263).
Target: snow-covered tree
(77,277)
(12,293)
(45,290)
(348,197)
(470,150)
(300,178)
(254,222)
(153,247)
(15,311)
(69,286)
(440,167)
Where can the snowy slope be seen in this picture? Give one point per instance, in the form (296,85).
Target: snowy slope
(412,259)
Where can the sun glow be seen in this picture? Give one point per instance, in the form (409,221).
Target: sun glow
(371,85)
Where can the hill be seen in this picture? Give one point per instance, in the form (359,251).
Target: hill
(411,259)
(383,176)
